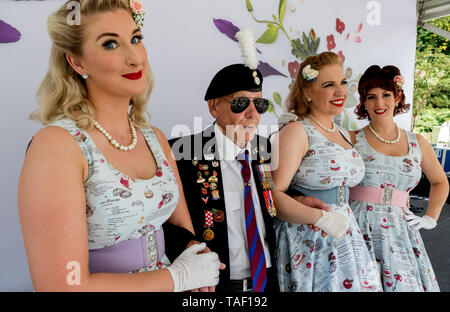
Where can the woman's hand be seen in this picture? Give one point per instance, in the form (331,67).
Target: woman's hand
(313,203)
(193,269)
(222,266)
(417,222)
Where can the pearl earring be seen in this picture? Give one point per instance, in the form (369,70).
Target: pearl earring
(309,100)
(85,76)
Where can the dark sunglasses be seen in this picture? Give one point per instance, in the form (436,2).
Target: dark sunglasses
(240,104)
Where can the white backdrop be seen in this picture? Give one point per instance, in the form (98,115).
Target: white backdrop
(185,50)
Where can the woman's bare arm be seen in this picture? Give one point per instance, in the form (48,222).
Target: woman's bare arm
(52,212)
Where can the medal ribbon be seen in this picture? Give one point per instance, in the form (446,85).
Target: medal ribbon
(266,178)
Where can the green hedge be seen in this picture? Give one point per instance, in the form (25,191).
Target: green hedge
(430,117)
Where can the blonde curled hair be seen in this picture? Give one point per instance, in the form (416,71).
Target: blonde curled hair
(63,92)
(297,101)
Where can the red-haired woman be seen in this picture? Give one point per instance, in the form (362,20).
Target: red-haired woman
(394,161)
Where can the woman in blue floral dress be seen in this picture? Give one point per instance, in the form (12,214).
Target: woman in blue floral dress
(91,208)
(316,158)
(394,160)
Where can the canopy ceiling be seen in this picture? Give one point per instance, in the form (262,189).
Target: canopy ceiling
(429,9)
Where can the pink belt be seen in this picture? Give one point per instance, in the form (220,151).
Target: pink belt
(384,196)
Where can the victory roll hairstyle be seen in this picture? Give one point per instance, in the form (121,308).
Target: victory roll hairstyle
(384,78)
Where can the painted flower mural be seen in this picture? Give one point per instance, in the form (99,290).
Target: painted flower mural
(293,68)
(330,43)
(340,26)
(305,45)
(8,33)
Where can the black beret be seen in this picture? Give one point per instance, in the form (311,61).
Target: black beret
(233,78)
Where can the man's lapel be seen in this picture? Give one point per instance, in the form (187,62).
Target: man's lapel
(209,187)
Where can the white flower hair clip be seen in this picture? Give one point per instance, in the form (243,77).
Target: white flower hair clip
(309,73)
(138,12)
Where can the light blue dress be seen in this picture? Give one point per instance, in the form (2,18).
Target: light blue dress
(120,208)
(398,249)
(305,260)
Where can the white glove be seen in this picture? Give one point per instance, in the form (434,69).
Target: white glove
(417,223)
(334,223)
(192,270)
(286,118)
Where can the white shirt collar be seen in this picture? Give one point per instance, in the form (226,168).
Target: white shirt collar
(226,148)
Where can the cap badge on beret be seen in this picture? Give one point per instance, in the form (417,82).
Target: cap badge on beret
(255,76)
(238,77)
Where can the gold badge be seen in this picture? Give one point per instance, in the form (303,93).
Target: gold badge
(200,178)
(213,179)
(208,234)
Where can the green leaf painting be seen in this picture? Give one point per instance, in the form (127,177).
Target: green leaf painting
(277,98)
(249,5)
(281,10)
(306,48)
(270,35)
(302,45)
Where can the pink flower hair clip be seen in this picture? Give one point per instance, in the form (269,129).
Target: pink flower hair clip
(138,12)
(399,81)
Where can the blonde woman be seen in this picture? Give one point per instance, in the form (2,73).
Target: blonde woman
(316,158)
(98,182)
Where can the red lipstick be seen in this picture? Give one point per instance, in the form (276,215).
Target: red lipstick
(338,103)
(133,76)
(380,112)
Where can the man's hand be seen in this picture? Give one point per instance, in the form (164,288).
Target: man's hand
(313,203)
(222,266)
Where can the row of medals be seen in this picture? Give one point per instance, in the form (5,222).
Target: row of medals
(209,183)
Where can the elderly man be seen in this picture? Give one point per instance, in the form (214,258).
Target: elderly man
(227,182)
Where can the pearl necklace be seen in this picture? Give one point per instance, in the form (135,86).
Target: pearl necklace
(114,142)
(322,126)
(384,140)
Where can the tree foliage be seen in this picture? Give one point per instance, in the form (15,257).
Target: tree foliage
(432,79)
(430,117)
(426,39)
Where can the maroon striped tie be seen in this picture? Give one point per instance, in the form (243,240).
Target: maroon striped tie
(255,248)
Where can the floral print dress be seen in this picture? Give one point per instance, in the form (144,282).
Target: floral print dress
(119,208)
(397,248)
(305,260)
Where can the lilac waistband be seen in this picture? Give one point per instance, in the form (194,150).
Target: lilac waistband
(125,256)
